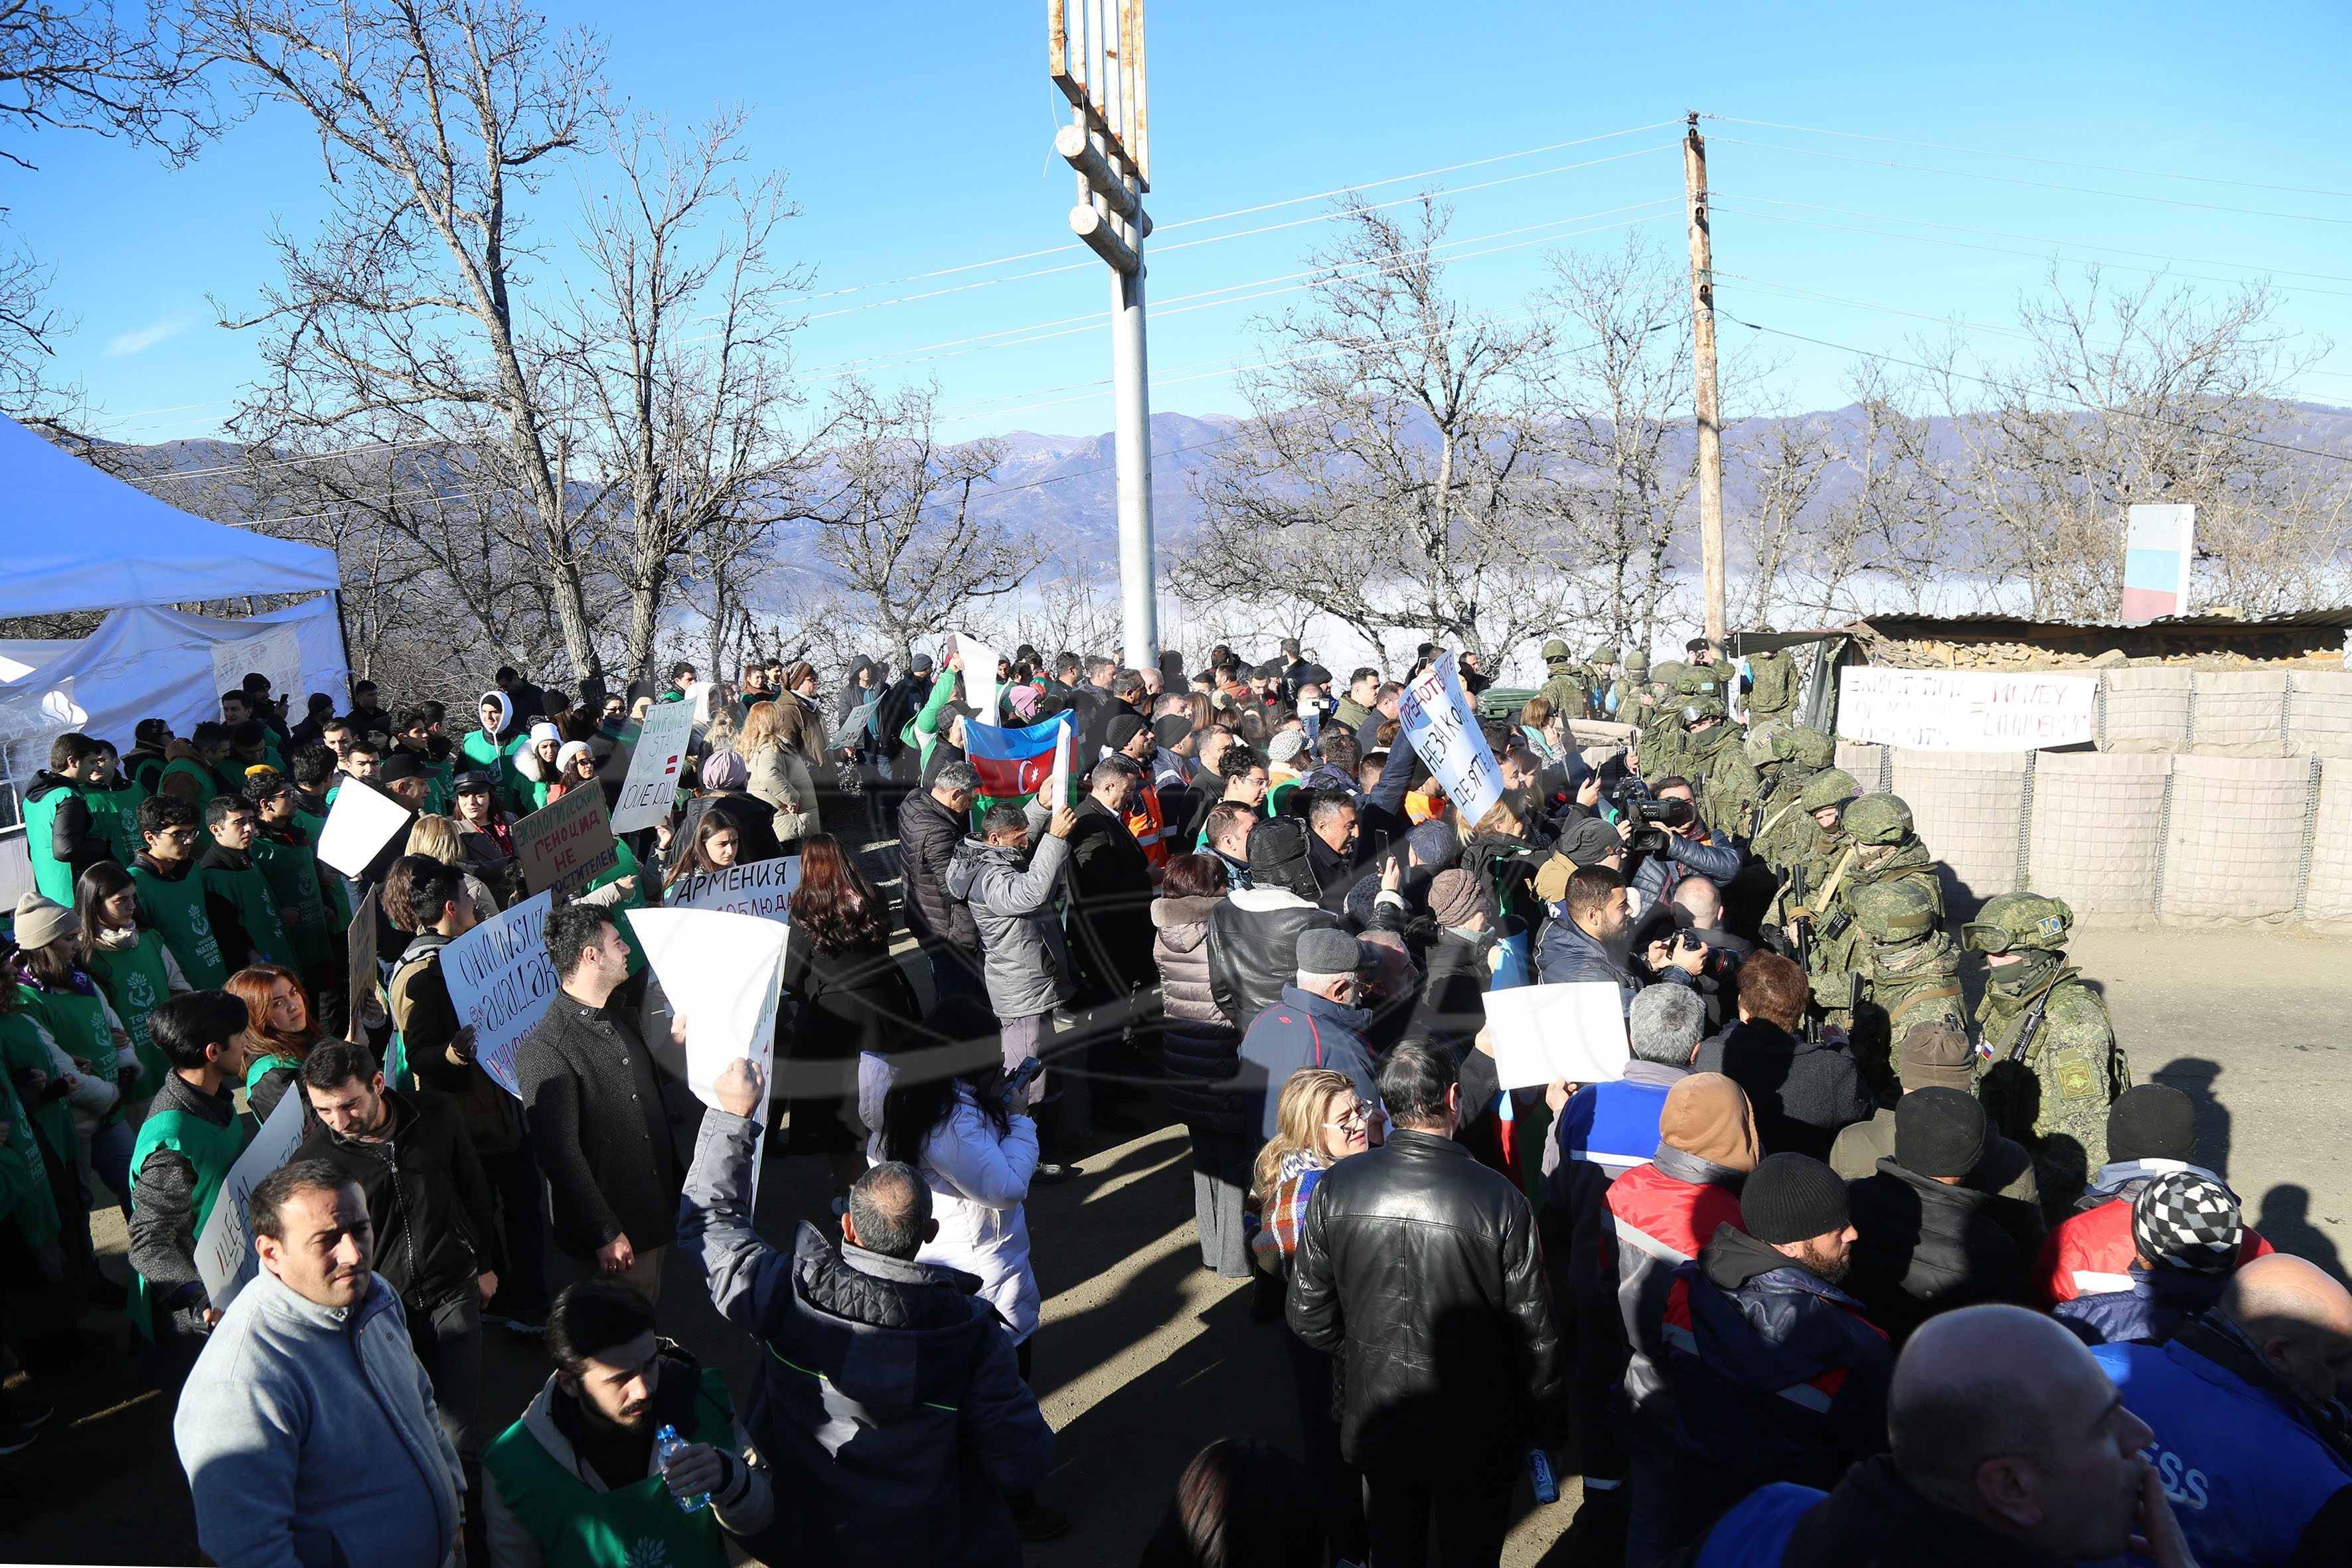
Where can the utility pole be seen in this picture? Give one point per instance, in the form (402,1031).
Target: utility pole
(1095,57)
(1710,411)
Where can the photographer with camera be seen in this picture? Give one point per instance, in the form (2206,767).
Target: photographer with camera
(1676,846)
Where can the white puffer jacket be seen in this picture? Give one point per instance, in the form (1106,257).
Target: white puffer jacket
(978,1183)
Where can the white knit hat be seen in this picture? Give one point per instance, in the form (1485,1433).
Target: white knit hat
(40,922)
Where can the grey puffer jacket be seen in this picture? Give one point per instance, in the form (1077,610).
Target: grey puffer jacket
(1023,959)
(1204,1050)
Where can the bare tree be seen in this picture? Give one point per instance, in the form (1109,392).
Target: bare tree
(1785,461)
(898,524)
(408,321)
(1388,478)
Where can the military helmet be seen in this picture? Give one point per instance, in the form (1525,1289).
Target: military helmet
(1831,786)
(1893,911)
(1602,653)
(1877,819)
(1668,673)
(1554,650)
(1698,678)
(1637,662)
(1700,709)
(2013,921)
(1807,748)
(1760,742)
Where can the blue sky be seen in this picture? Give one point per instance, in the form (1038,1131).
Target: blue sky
(916,138)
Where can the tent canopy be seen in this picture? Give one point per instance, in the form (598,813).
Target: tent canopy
(82,540)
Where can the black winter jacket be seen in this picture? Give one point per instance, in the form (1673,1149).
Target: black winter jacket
(1418,1268)
(1254,948)
(928,834)
(1110,905)
(1452,1003)
(1803,1091)
(1203,1050)
(425,1196)
(597,1122)
(1925,1248)
(1874,1520)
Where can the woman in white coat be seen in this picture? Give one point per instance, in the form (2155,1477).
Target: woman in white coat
(977,1152)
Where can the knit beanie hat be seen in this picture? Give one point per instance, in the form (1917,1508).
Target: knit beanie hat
(1170,730)
(722,769)
(1286,746)
(1588,840)
(574,749)
(2187,1222)
(1455,897)
(1323,951)
(1708,1114)
(40,922)
(1433,844)
(544,731)
(1277,857)
(2151,1122)
(1937,1054)
(1120,731)
(1940,1131)
(1793,1197)
(1021,700)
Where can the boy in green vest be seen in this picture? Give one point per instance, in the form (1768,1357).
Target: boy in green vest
(237,900)
(486,750)
(289,864)
(577,1482)
(62,833)
(113,802)
(190,1139)
(172,890)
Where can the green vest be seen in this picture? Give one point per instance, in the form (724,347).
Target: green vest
(483,753)
(207,785)
(77,1023)
(334,898)
(137,985)
(638,1526)
(116,813)
(291,873)
(26,1200)
(21,1048)
(212,1149)
(627,866)
(52,876)
(177,910)
(255,910)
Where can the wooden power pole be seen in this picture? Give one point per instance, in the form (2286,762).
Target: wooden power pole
(1710,411)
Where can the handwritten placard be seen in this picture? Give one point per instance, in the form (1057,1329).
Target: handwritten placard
(651,787)
(1445,735)
(760,887)
(225,1258)
(566,844)
(1963,711)
(500,980)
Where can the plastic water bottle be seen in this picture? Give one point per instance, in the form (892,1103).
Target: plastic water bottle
(667,1442)
(1540,1473)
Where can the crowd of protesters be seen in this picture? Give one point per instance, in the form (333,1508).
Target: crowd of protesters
(1837,1270)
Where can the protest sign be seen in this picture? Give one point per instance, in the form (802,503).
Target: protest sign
(1963,711)
(276,652)
(1057,787)
(500,980)
(359,824)
(1446,736)
(722,972)
(359,949)
(651,787)
(979,677)
(1540,1033)
(761,889)
(566,844)
(224,1260)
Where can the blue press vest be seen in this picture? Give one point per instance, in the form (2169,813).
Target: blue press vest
(2244,1472)
(1614,1125)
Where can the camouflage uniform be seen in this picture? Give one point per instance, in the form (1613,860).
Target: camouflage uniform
(1662,732)
(1707,680)
(2055,1100)
(1565,689)
(1600,670)
(1793,759)
(1884,850)
(1911,973)
(1722,779)
(1629,698)
(1815,849)
(1773,690)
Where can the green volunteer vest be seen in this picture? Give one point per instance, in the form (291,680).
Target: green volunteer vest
(627,866)
(77,1023)
(484,754)
(21,1048)
(176,910)
(256,909)
(211,1149)
(137,985)
(638,1526)
(26,1200)
(116,811)
(52,876)
(291,873)
(334,898)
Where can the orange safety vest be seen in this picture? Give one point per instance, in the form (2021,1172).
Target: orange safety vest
(1144,821)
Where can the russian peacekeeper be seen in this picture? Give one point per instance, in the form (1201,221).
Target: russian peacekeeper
(1715,762)
(1564,685)
(2047,1063)
(1810,852)
(1772,687)
(1661,731)
(1600,676)
(1910,972)
(1788,760)
(1881,849)
(1629,695)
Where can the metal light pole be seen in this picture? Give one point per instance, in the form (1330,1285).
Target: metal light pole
(1095,57)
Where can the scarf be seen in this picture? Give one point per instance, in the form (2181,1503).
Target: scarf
(2225,1344)
(2015,981)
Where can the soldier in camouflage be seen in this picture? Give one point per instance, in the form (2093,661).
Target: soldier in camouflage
(1910,973)
(1790,761)
(1809,853)
(1629,698)
(1600,676)
(1881,849)
(1715,762)
(1564,686)
(1661,743)
(2047,1063)
(1772,688)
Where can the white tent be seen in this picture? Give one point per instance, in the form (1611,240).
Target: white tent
(81,540)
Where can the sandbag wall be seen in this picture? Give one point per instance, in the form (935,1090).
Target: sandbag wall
(2211,798)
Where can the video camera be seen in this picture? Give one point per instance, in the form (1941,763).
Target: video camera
(1650,815)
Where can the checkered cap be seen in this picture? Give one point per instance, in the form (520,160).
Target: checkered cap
(2185,1221)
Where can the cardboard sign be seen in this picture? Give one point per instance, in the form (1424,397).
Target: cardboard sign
(276,652)
(224,1257)
(651,787)
(1546,1032)
(500,980)
(723,973)
(1965,710)
(358,948)
(1445,735)
(566,844)
(761,889)
(359,824)
(980,687)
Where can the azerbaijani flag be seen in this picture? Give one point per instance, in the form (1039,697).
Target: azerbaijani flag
(1016,765)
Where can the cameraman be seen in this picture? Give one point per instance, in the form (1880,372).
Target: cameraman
(1688,850)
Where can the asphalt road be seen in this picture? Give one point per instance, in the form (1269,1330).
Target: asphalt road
(1144,1357)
